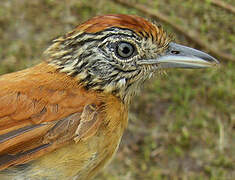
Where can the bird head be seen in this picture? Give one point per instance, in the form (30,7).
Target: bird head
(116,53)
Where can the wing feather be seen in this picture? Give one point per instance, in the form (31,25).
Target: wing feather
(40,110)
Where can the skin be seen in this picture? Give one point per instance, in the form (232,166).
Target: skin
(64,118)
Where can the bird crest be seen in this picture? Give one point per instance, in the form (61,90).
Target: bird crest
(139,25)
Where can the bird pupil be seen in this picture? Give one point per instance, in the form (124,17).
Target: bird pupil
(126,50)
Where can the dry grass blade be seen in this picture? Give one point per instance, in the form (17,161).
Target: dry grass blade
(189,34)
(223,5)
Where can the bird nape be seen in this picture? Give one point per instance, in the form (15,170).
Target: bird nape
(64,118)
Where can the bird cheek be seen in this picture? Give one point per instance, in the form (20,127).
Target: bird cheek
(121,83)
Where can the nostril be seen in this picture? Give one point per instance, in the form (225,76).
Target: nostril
(175,52)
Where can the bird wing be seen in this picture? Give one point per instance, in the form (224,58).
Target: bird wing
(36,119)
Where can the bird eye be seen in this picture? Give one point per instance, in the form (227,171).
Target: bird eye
(124,50)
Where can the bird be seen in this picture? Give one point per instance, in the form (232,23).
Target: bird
(64,117)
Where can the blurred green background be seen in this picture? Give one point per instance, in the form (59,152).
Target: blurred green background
(182,124)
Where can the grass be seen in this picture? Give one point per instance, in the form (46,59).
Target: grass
(182,125)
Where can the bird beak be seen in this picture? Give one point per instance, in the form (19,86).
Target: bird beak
(178,56)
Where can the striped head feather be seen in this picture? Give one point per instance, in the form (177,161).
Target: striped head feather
(103,53)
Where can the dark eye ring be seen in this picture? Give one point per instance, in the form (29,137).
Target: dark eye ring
(124,50)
